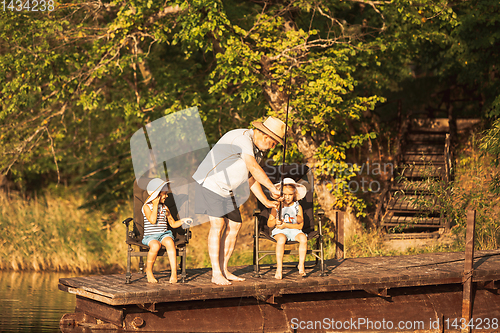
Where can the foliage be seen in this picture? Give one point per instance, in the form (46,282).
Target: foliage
(80,80)
(490,143)
(77,85)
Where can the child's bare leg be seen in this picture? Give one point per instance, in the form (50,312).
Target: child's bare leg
(302,239)
(154,247)
(280,250)
(172,257)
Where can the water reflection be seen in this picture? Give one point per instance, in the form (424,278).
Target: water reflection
(31,302)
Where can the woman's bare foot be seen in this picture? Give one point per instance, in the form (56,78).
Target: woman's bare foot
(220,280)
(301,271)
(173,278)
(151,278)
(278,275)
(232,277)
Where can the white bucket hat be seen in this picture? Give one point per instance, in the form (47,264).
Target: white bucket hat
(301,189)
(154,188)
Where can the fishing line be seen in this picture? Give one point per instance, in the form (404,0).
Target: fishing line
(284,143)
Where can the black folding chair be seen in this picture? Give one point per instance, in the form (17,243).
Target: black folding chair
(300,173)
(135,232)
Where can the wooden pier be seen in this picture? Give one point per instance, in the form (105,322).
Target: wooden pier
(425,288)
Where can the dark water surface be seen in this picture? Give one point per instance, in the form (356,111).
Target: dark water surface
(31,302)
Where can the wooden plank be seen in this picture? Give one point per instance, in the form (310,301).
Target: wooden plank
(437,149)
(90,285)
(422,171)
(426,137)
(436,160)
(350,274)
(86,294)
(468,268)
(99,310)
(412,221)
(339,236)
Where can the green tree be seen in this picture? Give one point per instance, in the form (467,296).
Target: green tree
(78,83)
(80,80)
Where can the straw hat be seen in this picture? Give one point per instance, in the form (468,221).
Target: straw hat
(301,189)
(154,187)
(273,127)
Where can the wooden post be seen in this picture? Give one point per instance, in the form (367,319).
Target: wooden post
(339,237)
(468,269)
(447,165)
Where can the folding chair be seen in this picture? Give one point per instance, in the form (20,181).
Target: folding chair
(300,173)
(135,232)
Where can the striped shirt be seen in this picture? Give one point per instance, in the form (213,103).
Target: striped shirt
(161,221)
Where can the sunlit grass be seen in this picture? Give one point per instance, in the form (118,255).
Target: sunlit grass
(52,233)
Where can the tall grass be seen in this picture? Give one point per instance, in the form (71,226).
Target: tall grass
(474,179)
(51,233)
(470,190)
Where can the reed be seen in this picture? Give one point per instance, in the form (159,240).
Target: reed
(51,232)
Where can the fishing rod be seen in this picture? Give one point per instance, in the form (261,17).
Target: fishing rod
(284,144)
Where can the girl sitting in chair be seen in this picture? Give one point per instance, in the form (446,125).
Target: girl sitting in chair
(156,214)
(289,226)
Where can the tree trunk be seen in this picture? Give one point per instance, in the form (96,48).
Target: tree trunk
(326,199)
(307,146)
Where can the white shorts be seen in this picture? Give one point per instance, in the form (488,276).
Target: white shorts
(289,233)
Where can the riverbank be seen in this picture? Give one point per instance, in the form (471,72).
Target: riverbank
(51,233)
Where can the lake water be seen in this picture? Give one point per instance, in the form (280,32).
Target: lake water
(31,302)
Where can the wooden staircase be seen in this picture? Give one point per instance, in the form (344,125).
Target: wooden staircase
(424,153)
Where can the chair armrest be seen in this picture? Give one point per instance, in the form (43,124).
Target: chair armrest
(130,233)
(321,215)
(127,221)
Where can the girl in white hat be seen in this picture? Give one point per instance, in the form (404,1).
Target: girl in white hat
(156,214)
(289,225)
